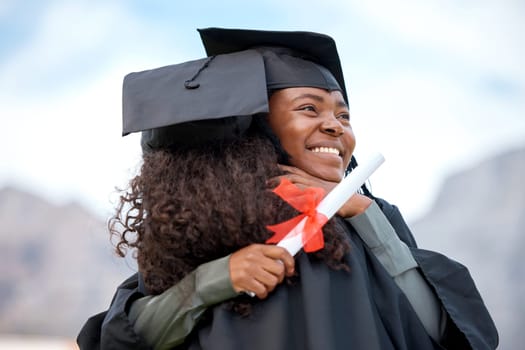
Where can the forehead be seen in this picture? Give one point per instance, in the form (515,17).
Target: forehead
(297,94)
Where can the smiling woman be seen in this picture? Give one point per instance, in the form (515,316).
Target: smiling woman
(314,128)
(214,148)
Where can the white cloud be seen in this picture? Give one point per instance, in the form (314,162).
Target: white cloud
(62,33)
(71,40)
(483,33)
(6,7)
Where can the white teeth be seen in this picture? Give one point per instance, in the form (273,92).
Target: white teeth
(325,150)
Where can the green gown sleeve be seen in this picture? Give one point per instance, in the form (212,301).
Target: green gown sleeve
(378,234)
(165,320)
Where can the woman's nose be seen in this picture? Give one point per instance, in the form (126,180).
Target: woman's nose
(332,126)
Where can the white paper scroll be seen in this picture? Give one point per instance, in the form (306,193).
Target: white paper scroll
(293,242)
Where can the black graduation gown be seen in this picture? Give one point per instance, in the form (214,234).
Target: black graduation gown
(327,309)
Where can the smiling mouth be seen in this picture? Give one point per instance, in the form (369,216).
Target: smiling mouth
(330,150)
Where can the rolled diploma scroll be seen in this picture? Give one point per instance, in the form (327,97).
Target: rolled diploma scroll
(293,242)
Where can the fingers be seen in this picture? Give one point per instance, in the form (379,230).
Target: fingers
(302,181)
(295,175)
(259,268)
(292,170)
(282,258)
(296,179)
(274,181)
(352,207)
(298,176)
(356,205)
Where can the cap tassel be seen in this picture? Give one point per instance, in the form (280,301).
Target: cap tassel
(189,84)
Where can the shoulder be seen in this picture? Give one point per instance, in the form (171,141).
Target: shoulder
(397,221)
(111,328)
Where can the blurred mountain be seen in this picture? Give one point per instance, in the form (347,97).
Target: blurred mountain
(57,266)
(478,219)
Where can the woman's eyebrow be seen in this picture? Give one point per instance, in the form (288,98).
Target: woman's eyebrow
(312,96)
(342,104)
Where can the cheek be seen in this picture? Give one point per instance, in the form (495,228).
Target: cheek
(349,140)
(349,143)
(291,138)
(294,149)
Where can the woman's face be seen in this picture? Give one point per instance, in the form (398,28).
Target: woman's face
(313,126)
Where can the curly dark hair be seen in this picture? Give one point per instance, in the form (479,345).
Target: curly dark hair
(189,206)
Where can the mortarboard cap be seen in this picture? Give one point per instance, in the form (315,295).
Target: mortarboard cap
(215,98)
(291,58)
(197,101)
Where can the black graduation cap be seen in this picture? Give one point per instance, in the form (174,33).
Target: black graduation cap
(215,98)
(196,101)
(286,54)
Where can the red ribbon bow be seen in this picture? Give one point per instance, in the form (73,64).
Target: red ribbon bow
(306,202)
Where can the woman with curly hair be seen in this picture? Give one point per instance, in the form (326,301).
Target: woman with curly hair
(197,216)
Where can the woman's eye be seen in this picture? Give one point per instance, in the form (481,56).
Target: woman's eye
(344,116)
(309,108)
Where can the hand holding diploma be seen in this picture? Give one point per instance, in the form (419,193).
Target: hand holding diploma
(259,268)
(304,231)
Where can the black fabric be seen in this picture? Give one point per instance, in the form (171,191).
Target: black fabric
(285,69)
(111,329)
(315,47)
(449,286)
(197,101)
(328,309)
(469,323)
(194,133)
(89,336)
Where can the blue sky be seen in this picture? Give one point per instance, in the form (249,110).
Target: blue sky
(435,86)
